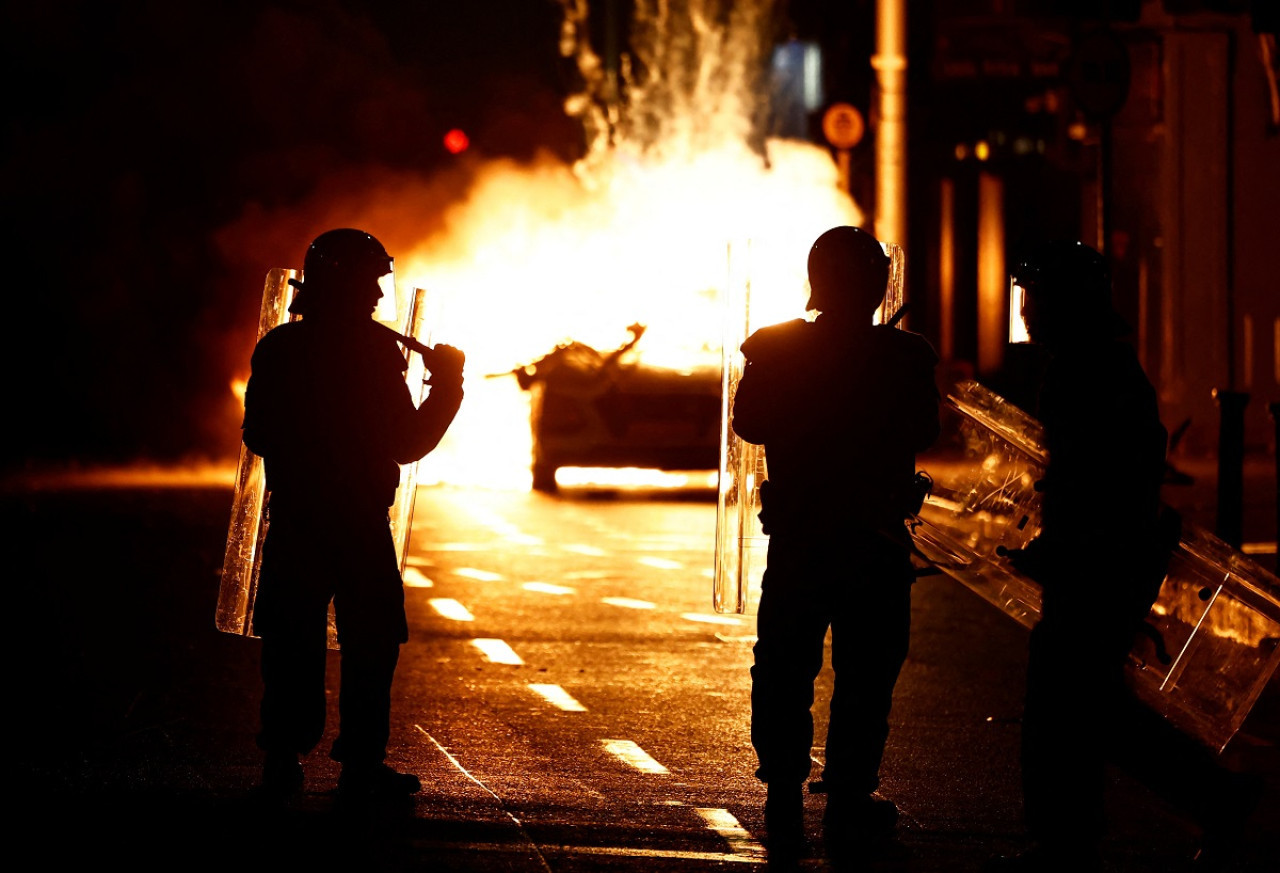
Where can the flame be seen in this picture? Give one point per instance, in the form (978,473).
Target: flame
(642,229)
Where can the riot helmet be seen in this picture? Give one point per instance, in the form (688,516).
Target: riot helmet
(848,271)
(1060,292)
(339,269)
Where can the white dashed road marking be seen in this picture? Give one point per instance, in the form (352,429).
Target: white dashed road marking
(415,578)
(707,618)
(628,603)
(557,696)
(739,839)
(631,754)
(580,549)
(546,588)
(479,575)
(660,563)
(497,651)
(450,608)
(506,529)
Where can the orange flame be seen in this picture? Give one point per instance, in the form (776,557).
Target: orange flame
(639,230)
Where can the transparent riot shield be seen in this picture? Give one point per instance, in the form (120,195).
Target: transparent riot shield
(741,544)
(401,512)
(1211,641)
(243,556)
(250,517)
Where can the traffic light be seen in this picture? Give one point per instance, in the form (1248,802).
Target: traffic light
(456,141)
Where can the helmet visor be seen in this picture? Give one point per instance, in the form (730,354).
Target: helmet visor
(388,309)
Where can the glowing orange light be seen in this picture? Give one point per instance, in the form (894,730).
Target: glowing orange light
(456,142)
(652,226)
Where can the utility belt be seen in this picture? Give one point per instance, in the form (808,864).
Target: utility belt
(790,510)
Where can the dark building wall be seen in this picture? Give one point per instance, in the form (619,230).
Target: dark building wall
(1187,210)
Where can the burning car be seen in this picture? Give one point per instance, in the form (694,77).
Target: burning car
(613,409)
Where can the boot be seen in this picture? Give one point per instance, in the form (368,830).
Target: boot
(863,818)
(784,819)
(282,776)
(374,782)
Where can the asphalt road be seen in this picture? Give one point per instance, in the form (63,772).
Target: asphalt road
(568,697)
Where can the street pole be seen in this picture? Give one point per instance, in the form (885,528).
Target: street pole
(890,64)
(1274,409)
(1104,188)
(1230,521)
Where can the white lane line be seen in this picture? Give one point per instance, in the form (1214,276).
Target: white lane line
(479,575)
(419,561)
(708,573)
(631,754)
(660,563)
(744,639)
(450,608)
(650,855)
(557,696)
(723,823)
(506,529)
(463,770)
(498,652)
(628,603)
(707,618)
(671,854)
(415,578)
(580,549)
(546,588)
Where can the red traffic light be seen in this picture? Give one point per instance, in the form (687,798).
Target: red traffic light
(456,142)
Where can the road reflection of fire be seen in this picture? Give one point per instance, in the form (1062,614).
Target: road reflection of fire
(639,230)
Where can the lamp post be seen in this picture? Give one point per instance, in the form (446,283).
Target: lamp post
(890,64)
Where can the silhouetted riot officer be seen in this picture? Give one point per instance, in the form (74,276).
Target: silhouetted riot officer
(1100,557)
(328,410)
(841,406)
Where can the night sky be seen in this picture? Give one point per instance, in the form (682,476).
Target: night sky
(160,157)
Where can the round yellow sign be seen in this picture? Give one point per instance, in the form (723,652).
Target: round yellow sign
(843,126)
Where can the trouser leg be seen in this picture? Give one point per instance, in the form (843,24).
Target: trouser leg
(1176,767)
(788,657)
(364,703)
(369,607)
(291,616)
(293,694)
(1063,767)
(869,640)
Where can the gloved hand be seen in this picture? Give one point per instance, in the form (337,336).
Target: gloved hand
(1032,560)
(446,366)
